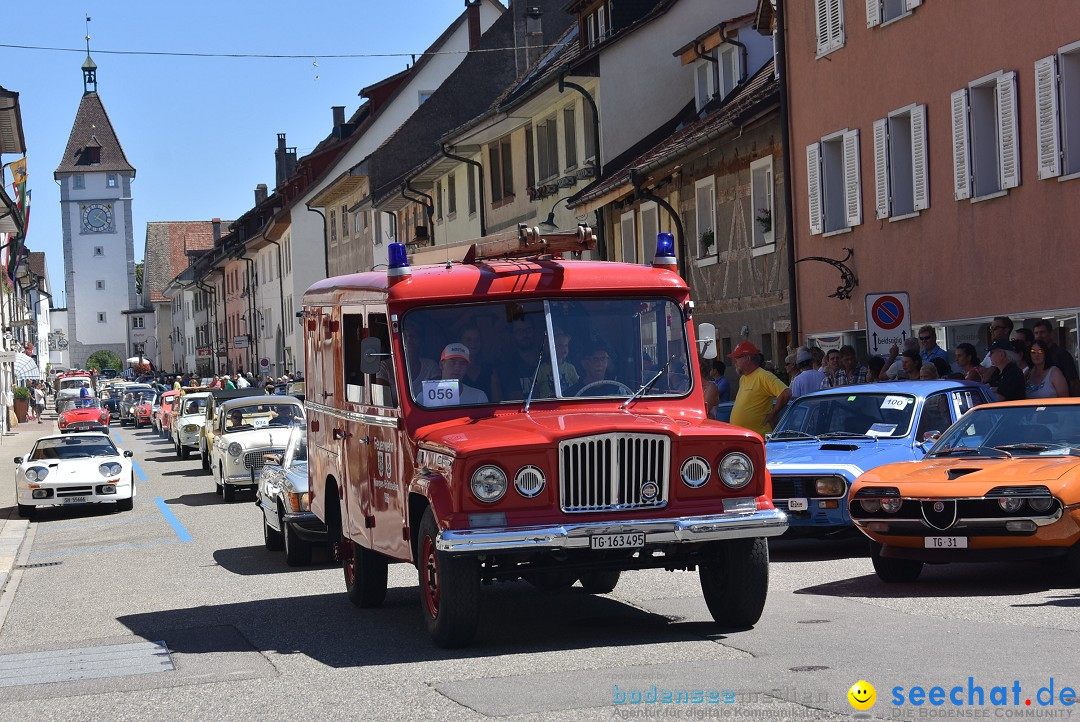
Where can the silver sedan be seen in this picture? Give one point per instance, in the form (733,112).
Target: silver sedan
(282,497)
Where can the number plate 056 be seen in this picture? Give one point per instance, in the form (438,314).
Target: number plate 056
(617,541)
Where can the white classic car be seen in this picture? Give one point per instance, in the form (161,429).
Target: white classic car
(282,498)
(247,429)
(65,469)
(187,426)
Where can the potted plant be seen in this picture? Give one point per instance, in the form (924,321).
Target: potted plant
(21,394)
(764,219)
(706,241)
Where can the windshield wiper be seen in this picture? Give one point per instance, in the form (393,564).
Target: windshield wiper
(536,374)
(791,433)
(970,451)
(846,435)
(648,384)
(1028,446)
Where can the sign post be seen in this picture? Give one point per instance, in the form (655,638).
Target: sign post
(888,321)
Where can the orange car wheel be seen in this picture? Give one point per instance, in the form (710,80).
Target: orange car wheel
(894,570)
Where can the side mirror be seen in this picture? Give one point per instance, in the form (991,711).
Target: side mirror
(128,454)
(18,459)
(275,459)
(930,437)
(706,338)
(371,355)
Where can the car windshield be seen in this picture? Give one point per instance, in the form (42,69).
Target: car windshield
(87,403)
(72,383)
(72,447)
(145,397)
(195,406)
(502,352)
(1029,430)
(847,415)
(296,451)
(259,416)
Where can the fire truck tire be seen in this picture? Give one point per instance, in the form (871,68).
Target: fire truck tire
(365,577)
(449,590)
(600,582)
(736,582)
(894,570)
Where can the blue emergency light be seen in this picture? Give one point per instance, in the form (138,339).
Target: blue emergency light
(398,261)
(665,250)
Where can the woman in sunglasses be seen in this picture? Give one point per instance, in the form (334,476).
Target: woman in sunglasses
(1045,380)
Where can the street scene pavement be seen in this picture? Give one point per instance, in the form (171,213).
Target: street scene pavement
(176,609)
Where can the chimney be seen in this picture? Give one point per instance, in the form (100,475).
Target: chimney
(260,193)
(280,172)
(217,229)
(339,119)
(534,35)
(473,9)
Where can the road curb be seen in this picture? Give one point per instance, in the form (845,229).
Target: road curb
(12,576)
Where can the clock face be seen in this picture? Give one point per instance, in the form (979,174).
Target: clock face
(97,217)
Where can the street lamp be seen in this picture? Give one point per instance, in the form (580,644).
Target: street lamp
(549,222)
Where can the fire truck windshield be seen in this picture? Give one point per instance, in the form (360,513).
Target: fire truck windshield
(491,353)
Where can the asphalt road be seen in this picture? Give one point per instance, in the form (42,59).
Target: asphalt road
(175,610)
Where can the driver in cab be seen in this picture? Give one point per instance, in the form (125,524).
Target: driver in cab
(236,419)
(284,415)
(453,363)
(594,368)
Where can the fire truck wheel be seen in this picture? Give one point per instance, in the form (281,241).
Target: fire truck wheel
(894,570)
(600,582)
(365,577)
(736,582)
(449,590)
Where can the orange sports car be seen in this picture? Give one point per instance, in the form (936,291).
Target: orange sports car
(1003,482)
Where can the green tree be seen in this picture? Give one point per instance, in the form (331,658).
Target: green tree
(138,278)
(104,359)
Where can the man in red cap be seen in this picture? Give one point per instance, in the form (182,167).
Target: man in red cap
(754,408)
(454,362)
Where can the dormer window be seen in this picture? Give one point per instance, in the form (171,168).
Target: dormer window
(717,74)
(595,24)
(91,155)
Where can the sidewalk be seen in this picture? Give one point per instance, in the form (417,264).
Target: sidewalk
(13,528)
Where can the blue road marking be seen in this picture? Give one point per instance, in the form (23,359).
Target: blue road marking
(118,439)
(173,521)
(139,471)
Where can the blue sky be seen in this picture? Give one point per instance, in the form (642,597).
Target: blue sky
(200,132)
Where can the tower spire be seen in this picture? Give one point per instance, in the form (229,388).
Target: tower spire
(89,68)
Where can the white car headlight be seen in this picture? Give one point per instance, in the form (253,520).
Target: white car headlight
(488,483)
(736,470)
(35,473)
(110,469)
(235,449)
(191,428)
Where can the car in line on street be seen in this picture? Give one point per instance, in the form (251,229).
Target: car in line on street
(85,414)
(143,412)
(826,439)
(285,504)
(209,429)
(188,423)
(133,395)
(162,419)
(246,430)
(70,469)
(1002,484)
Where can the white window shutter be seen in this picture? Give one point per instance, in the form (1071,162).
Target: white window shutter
(836,24)
(821,15)
(1008,147)
(873,13)
(912,4)
(881,167)
(813,186)
(852,185)
(961,164)
(919,174)
(1046,117)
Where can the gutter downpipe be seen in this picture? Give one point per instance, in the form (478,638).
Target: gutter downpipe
(643,195)
(429,207)
(737,43)
(480,182)
(785,138)
(601,241)
(214,336)
(281,293)
(250,307)
(325,238)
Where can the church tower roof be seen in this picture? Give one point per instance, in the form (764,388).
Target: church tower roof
(93,145)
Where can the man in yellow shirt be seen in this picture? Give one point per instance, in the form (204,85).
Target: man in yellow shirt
(758,388)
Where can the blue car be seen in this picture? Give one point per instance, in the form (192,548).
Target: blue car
(828,438)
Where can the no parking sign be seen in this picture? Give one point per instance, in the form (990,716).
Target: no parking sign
(888,321)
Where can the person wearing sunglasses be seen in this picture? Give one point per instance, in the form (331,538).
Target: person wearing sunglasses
(1045,380)
(1001,329)
(928,348)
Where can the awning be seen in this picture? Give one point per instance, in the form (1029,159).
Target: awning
(26,368)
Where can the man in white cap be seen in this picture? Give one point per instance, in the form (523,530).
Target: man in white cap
(808,379)
(453,363)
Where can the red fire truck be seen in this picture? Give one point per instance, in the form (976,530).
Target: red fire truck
(516,415)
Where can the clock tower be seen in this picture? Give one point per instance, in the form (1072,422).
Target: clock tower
(99,243)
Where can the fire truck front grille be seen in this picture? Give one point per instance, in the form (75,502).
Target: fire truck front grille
(614,472)
(254,459)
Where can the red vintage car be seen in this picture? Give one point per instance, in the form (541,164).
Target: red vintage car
(143,412)
(162,421)
(86,415)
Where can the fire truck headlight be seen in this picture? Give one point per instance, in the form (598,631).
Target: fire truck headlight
(488,483)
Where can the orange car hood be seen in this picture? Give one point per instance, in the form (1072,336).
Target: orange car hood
(973,476)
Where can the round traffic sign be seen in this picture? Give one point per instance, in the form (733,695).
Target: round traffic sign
(887,312)
(264,362)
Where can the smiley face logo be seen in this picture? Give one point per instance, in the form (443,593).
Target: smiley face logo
(862,695)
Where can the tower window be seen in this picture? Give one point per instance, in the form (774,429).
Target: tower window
(99,285)
(78,182)
(110,180)
(101,317)
(99,250)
